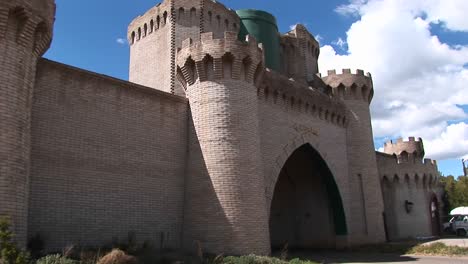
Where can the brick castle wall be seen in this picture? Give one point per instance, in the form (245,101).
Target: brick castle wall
(107,159)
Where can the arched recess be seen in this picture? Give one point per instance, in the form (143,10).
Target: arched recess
(306,209)
(434,214)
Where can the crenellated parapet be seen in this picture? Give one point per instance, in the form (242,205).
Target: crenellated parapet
(207,15)
(350,85)
(151,22)
(411,150)
(30,23)
(284,92)
(214,59)
(420,174)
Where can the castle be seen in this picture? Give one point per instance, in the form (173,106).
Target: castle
(226,135)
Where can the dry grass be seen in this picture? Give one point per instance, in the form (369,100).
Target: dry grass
(117,256)
(438,249)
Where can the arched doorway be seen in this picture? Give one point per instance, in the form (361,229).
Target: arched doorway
(306,209)
(434,213)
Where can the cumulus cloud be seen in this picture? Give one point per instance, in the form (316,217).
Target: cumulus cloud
(419,81)
(121,41)
(453,142)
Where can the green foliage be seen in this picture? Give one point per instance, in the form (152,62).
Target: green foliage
(9,253)
(56,259)
(456,190)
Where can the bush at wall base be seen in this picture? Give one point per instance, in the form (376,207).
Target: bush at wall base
(9,252)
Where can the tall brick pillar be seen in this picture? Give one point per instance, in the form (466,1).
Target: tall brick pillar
(225,194)
(25,34)
(356,90)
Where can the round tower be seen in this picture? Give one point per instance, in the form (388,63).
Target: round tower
(25,34)
(356,91)
(411,150)
(225,200)
(263,27)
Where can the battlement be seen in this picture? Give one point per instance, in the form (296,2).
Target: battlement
(350,85)
(214,59)
(279,90)
(417,172)
(207,15)
(151,22)
(33,23)
(405,151)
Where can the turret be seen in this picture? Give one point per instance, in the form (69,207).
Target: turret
(299,54)
(356,90)
(155,37)
(411,150)
(351,86)
(220,77)
(25,34)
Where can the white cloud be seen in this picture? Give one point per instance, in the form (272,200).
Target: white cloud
(121,41)
(418,79)
(340,43)
(352,8)
(453,142)
(319,38)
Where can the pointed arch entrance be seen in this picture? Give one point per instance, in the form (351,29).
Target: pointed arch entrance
(434,213)
(306,208)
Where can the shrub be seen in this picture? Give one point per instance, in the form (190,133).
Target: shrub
(56,259)
(9,253)
(117,256)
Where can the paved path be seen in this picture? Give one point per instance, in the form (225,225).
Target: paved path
(329,257)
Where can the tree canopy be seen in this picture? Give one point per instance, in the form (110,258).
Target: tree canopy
(456,192)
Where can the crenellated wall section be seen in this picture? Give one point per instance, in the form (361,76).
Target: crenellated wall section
(349,85)
(408,178)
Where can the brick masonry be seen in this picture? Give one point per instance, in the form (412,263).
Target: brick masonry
(190,150)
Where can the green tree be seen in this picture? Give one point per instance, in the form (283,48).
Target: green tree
(456,190)
(9,253)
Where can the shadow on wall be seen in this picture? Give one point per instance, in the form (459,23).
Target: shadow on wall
(306,210)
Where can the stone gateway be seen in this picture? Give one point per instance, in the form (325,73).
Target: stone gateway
(225,136)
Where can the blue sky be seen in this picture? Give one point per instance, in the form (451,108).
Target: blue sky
(412,93)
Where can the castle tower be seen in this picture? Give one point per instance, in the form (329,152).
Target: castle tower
(299,54)
(225,204)
(356,91)
(155,37)
(25,34)
(406,151)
